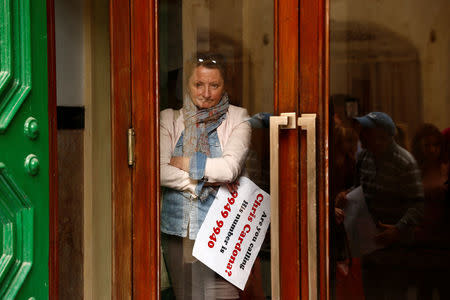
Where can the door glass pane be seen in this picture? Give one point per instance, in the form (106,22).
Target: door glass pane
(216,96)
(392,240)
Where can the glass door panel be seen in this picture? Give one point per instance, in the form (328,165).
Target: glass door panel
(215,69)
(392,60)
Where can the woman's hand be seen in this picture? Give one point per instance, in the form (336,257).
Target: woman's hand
(339,215)
(341,200)
(233,186)
(180,162)
(389,235)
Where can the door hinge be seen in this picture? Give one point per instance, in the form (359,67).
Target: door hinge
(131,136)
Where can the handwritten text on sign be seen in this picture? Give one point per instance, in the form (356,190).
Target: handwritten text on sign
(233,231)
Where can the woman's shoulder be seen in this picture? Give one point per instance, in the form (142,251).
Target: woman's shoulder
(238,113)
(169,114)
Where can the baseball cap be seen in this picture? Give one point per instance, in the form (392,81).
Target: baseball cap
(377,119)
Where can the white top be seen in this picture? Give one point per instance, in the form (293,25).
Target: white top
(234,135)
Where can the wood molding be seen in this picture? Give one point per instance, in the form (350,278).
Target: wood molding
(53,153)
(121,173)
(323,150)
(314,94)
(145,114)
(286,100)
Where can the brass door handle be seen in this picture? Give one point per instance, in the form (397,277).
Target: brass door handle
(308,122)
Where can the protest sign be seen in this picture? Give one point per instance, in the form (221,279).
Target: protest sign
(359,225)
(233,231)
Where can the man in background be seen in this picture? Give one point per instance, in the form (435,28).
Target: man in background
(392,188)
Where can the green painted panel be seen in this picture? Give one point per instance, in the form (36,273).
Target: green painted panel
(17,209)
(5,49)
(6,259)
(16,93)
(24,189)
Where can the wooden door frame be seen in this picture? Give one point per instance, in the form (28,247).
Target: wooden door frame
(301,40)
(134,99)
(314,98)
(53,153)
(145,111)
(286,95)
(121,172)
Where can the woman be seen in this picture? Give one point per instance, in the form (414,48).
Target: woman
(203,145)
(428,150)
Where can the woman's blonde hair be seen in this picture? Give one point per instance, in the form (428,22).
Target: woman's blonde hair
(208,60)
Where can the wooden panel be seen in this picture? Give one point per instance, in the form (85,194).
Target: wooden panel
(121,173)
(70,213)
(145,110)
(314,99)
(286,100)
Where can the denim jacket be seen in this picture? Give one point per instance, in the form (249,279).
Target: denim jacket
(180,210)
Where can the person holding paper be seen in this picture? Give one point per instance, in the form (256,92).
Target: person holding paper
(390,178)
(392,188)
(203,145)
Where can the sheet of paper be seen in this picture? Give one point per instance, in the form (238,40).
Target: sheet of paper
(359,225)
(233,231)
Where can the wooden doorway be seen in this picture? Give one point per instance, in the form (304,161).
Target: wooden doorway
(300,86)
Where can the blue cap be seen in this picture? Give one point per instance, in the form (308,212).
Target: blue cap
(377,119)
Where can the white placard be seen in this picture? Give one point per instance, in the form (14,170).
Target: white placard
(233,231)
(359,225)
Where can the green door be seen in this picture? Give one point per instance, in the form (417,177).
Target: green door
(24,150)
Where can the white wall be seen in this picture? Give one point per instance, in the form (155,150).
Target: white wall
(414,20)
(97,158)
(69,44)
(245,24)
(83,79)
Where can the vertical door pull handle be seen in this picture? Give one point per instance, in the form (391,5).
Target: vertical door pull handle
(308,122)
(305,122)
(284,121)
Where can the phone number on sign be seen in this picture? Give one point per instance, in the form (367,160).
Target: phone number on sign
(216,230)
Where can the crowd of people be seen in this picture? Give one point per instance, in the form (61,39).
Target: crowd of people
(405,187)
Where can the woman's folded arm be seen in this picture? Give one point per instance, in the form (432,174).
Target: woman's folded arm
(229,166)
(171,176)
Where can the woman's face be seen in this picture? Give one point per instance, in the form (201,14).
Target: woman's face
(206,87)
(431,147)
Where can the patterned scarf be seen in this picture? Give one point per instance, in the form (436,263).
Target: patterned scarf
(198,124)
